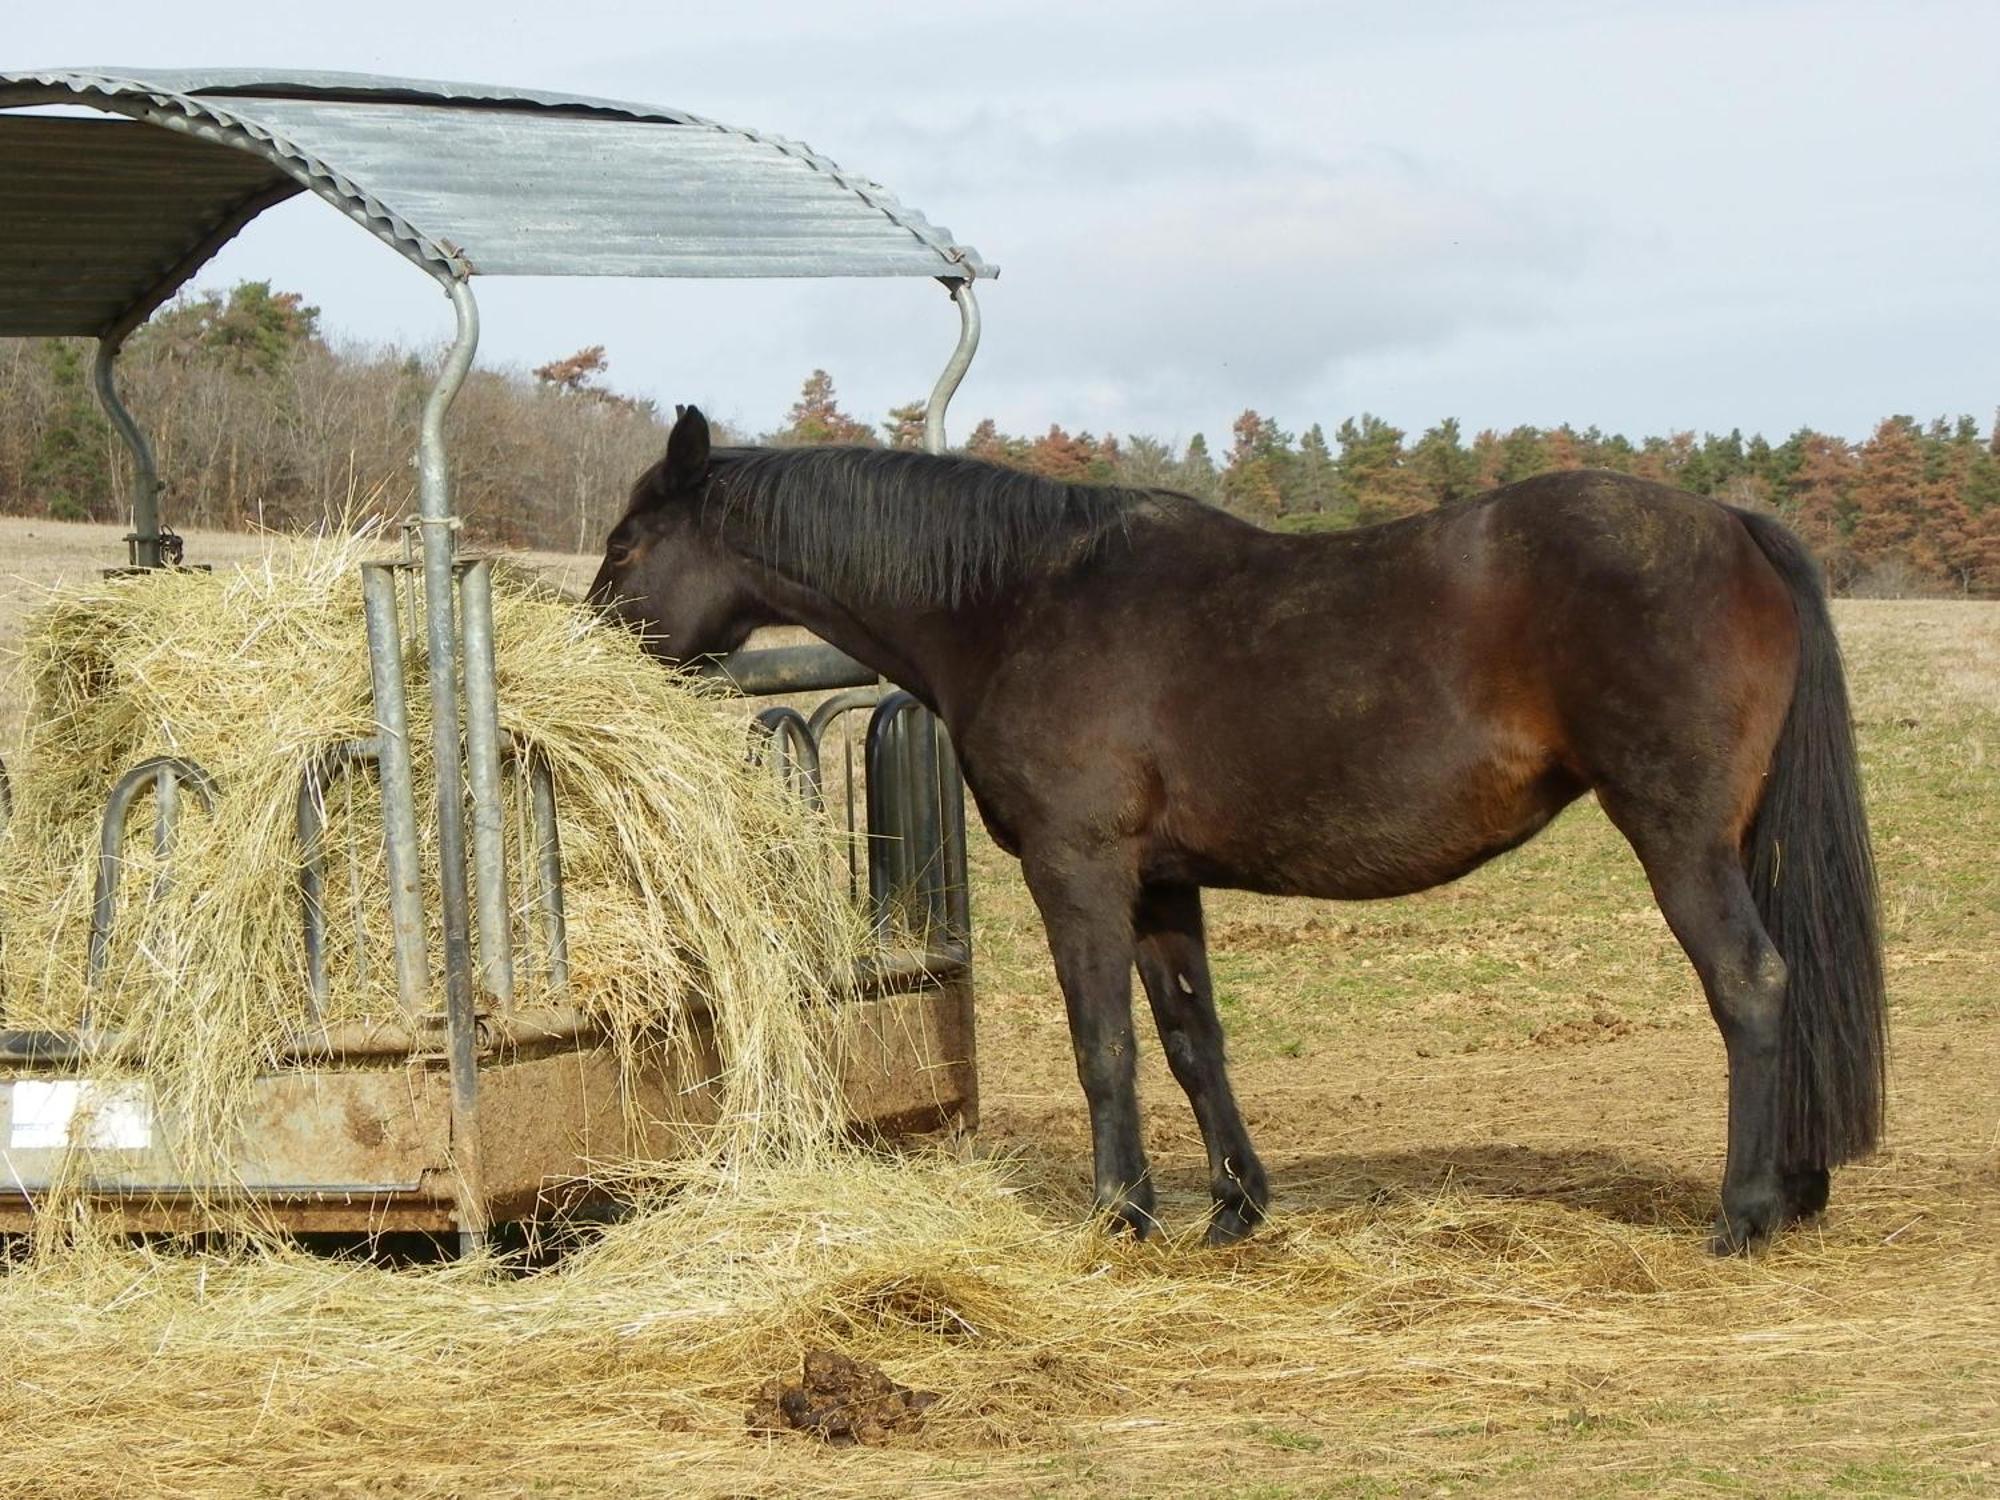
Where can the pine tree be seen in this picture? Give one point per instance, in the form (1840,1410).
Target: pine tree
(1200,478)
(1524,452)
(1255,480)
(1815,499)
(987,443)
(70,471)
(1444,469)
(905,427)
(1059,455)
(1887,496)
(1318,486)
(251,330)
(1373,480)
(816,417)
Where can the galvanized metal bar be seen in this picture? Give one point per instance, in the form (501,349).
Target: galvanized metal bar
(828,709)
(441,632)
(926,819)
(399,796)
(955,367)
(482,757)
(781,738)
(310,819)
(788,669)
(891,824)
(952,851)
(111,843)
(145,497)
(818,722)
(164,811)
(548,864)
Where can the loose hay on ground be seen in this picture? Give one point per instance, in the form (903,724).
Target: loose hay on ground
(1404,1334)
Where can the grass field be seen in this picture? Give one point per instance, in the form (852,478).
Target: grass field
(1493,1115)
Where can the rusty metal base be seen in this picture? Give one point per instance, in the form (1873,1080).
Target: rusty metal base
(364,1143)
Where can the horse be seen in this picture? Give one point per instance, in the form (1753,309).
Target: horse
(1149,696)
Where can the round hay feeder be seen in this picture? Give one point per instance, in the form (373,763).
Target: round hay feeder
(469,1108)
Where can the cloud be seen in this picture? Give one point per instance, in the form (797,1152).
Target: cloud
(1150,263)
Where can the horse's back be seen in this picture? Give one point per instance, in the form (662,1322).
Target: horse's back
(1376,711)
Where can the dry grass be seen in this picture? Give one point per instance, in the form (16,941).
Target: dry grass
(692,882)
(1494,1119)
(1435,1338)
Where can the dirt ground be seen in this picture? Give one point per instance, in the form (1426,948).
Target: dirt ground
(1531,1034)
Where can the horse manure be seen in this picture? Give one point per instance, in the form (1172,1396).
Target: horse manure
(840,1401)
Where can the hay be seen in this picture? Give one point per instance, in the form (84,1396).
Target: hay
(1396,1334)
(692,882)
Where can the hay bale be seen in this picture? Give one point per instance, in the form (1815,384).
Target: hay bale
(693,884)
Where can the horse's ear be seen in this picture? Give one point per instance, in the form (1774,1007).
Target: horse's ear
(687,448)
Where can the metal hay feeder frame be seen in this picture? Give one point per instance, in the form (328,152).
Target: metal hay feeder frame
(434,171)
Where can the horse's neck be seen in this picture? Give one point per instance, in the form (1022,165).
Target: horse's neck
(927,650)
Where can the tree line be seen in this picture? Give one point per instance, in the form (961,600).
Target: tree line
(258,419)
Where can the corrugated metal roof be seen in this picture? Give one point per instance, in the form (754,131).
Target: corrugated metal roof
(101,221)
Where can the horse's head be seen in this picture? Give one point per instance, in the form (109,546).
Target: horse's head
(664,574)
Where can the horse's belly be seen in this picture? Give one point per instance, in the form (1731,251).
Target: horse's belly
(1347,843)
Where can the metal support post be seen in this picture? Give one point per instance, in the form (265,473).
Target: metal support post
(955,367)
(441,631)
(145,538)
(399,795)
(482,756)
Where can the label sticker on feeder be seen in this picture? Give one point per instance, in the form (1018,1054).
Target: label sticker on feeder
(114,1116)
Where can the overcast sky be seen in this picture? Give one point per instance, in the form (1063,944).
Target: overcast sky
(1646,217)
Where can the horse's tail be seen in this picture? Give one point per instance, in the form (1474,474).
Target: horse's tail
(1812,875)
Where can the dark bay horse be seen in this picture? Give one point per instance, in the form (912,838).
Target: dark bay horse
(1149,696)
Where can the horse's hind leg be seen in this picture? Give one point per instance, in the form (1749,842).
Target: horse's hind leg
(1699,882)
(1173,964)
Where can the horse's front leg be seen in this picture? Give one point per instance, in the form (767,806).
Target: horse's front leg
(1086,907)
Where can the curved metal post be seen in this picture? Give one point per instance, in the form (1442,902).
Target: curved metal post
(548,865)
(955,367)
(145,536)
(441,631)
(310,816)
(165,773)
(781,738)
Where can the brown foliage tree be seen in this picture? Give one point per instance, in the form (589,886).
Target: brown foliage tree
(816,417)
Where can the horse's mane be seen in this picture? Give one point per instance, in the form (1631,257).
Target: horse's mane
(912,528)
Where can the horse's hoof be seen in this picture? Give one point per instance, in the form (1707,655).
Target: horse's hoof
(1747,1223)
(1236,1214)
(1806,1192)
(1228,1227)
(1127,1216)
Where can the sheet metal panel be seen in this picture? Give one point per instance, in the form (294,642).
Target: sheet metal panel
(459,178)
(93,213)
(322,84)
(547,195)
